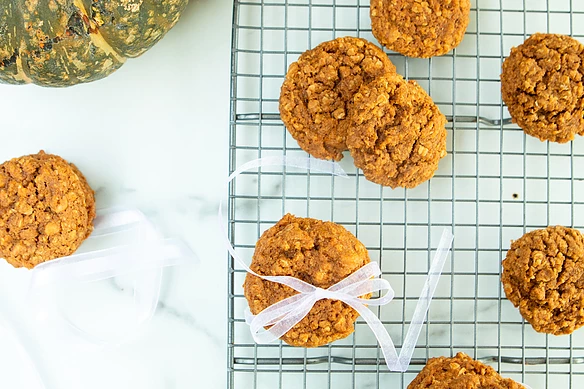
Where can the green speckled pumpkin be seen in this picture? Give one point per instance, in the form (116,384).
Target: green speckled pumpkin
(66,42)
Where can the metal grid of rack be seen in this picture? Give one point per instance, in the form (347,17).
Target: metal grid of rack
(494,185)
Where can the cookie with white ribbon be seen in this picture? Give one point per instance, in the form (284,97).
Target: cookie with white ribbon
(46,209)
(317,252)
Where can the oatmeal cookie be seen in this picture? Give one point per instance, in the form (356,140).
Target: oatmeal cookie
(397,134)
(460,372)
(543,275)
(320,253)
(542,85)
(319,86)
(420,29)
(46,209)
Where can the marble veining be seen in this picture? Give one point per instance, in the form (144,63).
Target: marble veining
(189,320)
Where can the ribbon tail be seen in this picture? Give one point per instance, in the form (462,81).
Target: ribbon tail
(306,163)
(115,219)
(425,299)
(310,164)
(147,288)
(383,338)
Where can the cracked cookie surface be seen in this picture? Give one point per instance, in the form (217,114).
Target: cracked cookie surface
(420,28)
(319,87)
(397,134)
(460,372)
(46,209)
(317,252)
(543,88)
(543,275)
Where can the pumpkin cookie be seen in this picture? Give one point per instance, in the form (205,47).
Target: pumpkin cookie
(460,372)
(420,29)
(320,85)
(320,253)
(542,85)
(543,275)
(46,209)
(397,134)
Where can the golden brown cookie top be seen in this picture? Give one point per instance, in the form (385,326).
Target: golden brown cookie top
(460,372)
(46,209)
(542,85)
(420,28)
(319,86)
(543,275)
(318,252)
(397,134)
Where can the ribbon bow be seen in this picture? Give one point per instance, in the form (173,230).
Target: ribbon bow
(142,252)
(284,315)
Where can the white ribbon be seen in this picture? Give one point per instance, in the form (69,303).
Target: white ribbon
(285,314)
(137,248)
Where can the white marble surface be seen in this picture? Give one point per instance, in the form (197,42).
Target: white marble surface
(153,135)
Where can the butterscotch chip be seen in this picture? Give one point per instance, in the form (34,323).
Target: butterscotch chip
(317,252)
(46,209)
(543,275)
(420,28)
(397,134)
(460,372)
(542,85)
(319,86)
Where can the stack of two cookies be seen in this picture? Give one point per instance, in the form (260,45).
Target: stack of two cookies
(345,94)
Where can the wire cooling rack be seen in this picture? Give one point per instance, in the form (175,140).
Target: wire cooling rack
(494,185)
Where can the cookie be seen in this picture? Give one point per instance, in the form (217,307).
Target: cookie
(460,372)
(397,134)
(318,252)
(543,275)
(319,86)
(46,209)
(542,85)
(420,29)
